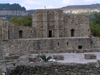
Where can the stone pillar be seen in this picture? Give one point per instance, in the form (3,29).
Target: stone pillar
(61,24)
(1,51)
(45,24)
(56,13)
(34,19)
(5,30)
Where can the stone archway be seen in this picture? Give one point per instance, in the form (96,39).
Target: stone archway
(72,32)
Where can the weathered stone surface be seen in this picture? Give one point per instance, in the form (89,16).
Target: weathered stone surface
(12,57)
(58,57)
(56,69)
(34,58)
(25,46)
(23,60)
(53,20)
(89,56)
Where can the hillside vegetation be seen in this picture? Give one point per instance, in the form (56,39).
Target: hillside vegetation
(11,7)
(95,25)
(22,21)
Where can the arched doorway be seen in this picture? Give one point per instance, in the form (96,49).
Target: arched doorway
(72,32)
(20,34)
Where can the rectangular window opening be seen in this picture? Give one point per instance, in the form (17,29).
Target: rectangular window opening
(50,33)
(79,47)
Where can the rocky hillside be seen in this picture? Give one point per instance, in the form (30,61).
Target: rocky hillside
(13,13)
(12,10)
(75,9)
(93,6)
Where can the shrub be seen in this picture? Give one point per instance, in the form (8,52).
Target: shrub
(44,58)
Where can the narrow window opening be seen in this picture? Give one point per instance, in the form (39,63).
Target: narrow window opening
(31,31)
(91,42)
(8,35)
(20,34)
(79,47)
(50,33)
(67,43)
(88,29)
(72,32)
(58,43)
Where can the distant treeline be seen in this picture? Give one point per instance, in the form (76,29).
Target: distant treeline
(11,7)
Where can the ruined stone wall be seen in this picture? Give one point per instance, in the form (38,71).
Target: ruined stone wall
(0,30)
(53,20)
(56,69)
(96,42)
(1,51)
(54,45)
(80,25)
(27,32)
(4,29)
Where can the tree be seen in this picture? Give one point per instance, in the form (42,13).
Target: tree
(95,25)
(28,20)
(25,21)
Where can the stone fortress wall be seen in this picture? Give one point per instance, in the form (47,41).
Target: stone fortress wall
(50,32)
(80,25)
(45,21)
(48,21)
(46,45)
(27,32)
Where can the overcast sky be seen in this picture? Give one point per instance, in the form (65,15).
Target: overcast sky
(39,4)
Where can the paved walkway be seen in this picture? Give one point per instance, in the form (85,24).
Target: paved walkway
(76,57)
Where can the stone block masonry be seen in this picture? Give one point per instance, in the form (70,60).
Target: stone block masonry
(56,69)
(50,33)
(51,23)
(46,45)
(89,56)
(58,57)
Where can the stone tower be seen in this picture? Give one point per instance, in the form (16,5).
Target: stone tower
(48,23)
(51,23)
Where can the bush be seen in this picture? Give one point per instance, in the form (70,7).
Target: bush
(44,58)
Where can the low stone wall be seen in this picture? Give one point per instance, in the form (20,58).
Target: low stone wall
(58,57)
(47,45)
(89,56)
(56,69)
